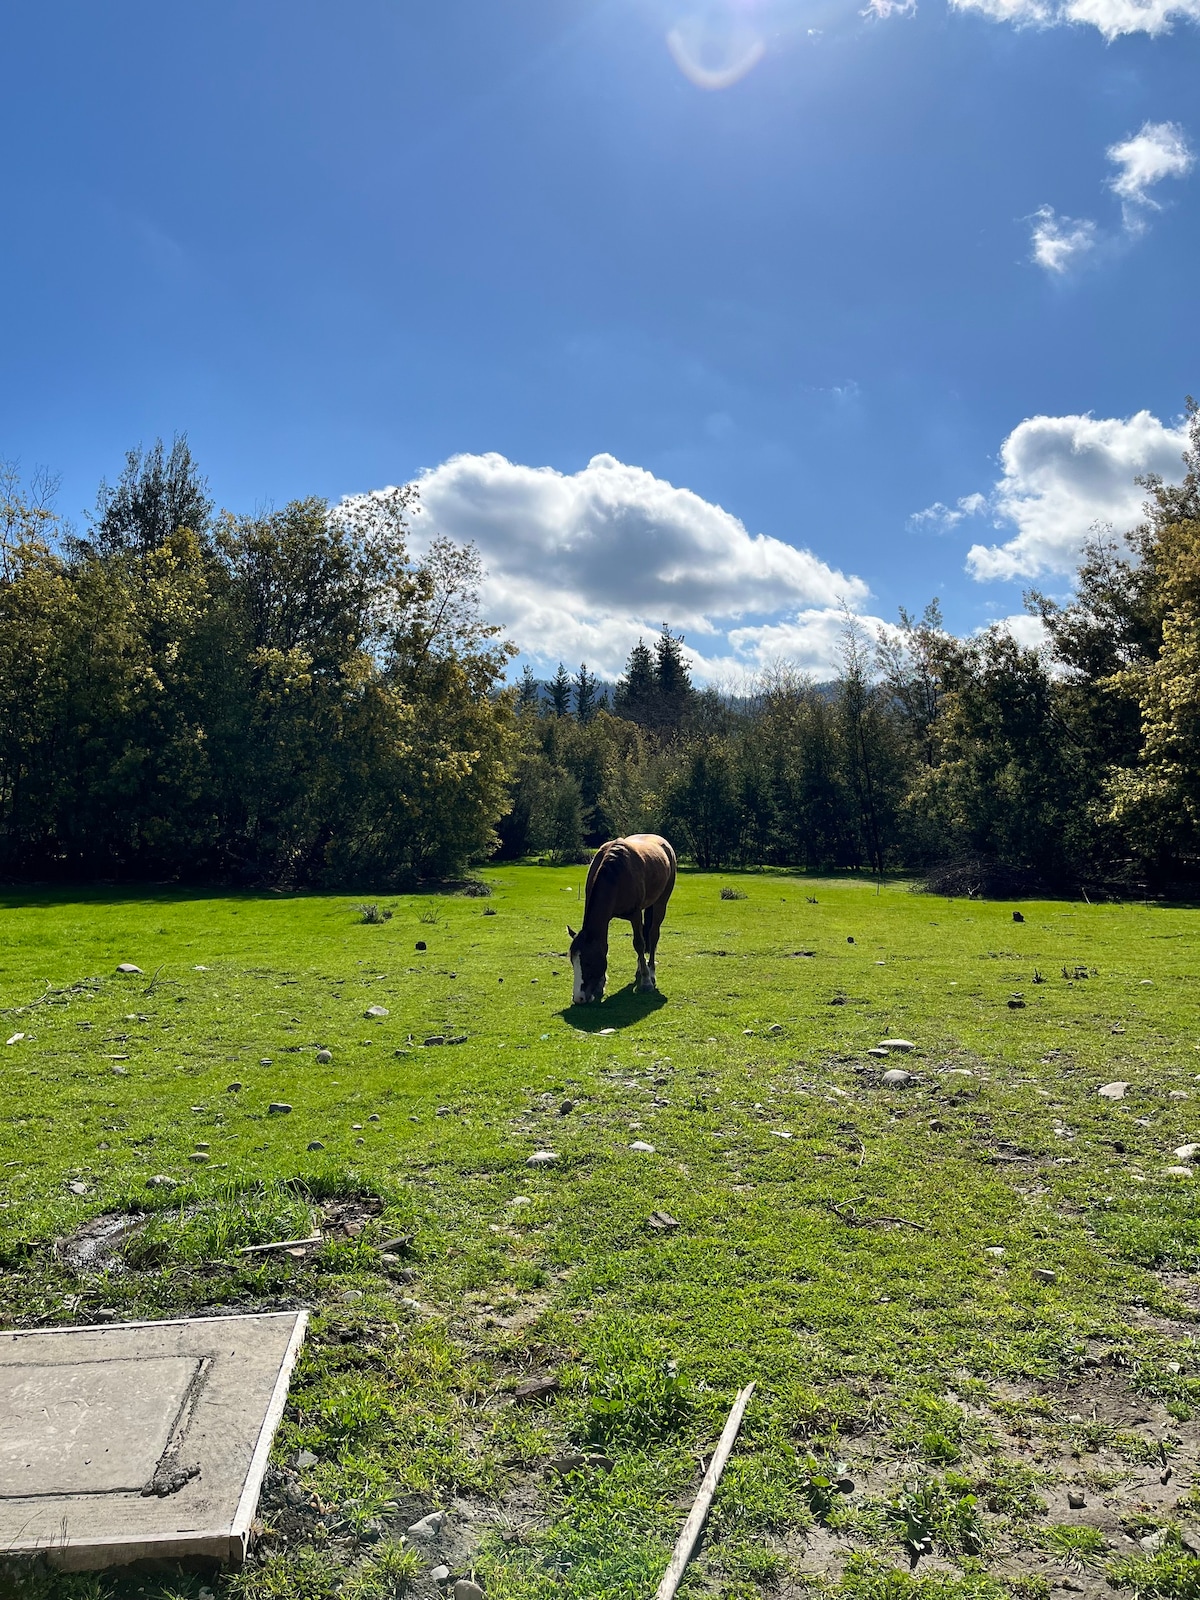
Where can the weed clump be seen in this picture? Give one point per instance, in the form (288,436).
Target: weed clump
(733,894)
(372,915)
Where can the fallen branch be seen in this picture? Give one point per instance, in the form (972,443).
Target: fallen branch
(686,1542)
(279,1244)
(846,1212)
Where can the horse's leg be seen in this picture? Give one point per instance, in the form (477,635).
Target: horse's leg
(654,922)
(643,979)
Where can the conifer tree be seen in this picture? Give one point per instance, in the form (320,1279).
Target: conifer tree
(586,687)
(560,691)
(637,691)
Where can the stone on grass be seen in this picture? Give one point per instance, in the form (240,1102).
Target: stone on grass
(535,1388)
(878,1050)
(1112,1091)
(520,1200)
(897,1078)
(776,1027)
(1045,1275)
(324,1057)
(305,1459)
(264,1061)
(566,1108)
(428,1527)
(1187,1152)
(376,1011)
(200,1156)
(1179,1094)
(233,1088)
(278,1108)
(542,1158)
(996,1250)
(896,1044)
(127,966)
(1178,1172)
(464,1589)
(420,945)
(440,1574)
(16,1038)
(315,1144)
(374,1117)
(1076,1499)
(77,1188)
(160,1181)
(640,1144)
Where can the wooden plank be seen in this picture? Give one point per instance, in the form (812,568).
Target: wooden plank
(686,1542)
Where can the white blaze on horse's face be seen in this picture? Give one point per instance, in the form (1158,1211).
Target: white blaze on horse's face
(577,963)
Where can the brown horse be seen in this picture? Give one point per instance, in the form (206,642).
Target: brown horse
(629,878)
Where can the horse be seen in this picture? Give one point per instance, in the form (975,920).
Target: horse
(628,878)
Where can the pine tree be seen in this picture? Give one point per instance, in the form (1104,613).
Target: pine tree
(586,688)
(560,691)
(637,691)
(672,677)
(528,691)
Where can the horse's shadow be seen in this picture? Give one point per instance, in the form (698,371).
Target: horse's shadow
(620,1009)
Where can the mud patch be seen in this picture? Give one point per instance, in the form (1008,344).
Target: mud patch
(98,1244)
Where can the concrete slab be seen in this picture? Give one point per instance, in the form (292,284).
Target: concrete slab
(140,1439)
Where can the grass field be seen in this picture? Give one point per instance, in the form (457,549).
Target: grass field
(967,1302)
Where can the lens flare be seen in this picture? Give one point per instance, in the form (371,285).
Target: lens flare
(715,49)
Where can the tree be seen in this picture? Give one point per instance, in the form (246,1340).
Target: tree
(586,687)
(156,495)
(529,693)
(559,689)
(636,693)
(702,803)
(672,678)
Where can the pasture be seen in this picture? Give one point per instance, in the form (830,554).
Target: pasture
(968,1302)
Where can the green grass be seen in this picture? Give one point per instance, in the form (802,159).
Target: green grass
(952,1386)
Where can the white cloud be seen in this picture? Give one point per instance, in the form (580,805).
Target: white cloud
(1111,17)
(1160,150)
(1062,477)
(580,564)
(939,518)
(1030,633)
(1060,242)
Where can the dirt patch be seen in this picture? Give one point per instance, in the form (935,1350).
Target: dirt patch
(347,1218)
(97,1245)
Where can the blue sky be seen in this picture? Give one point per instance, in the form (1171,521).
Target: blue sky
(344,246)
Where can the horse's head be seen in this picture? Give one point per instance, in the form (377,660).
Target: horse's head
(589,959)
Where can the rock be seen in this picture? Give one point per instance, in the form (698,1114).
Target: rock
(776,1027)
(1045,1275)
(428,1527)
(996,1250)
(878,1050)
(566,1108)
(1112,1091)
(1075,1499)
(420,945)
(442,1111)
(850,938)
(440,1574)
(324,1057)
(542,1158)
(278,1108)
(233,1088)
(160,1181)
(535,1389)
(1153,1542)
(356,1127)
(200,1156)
(1179,1094)
(1178,1172)
(1189,1538)
(1016,1005)
(896,1044)
(897,1078)
(120,1072)
(264,1061)
(315,1144)
(1187,1152)
(16,1038)
(436,1038)
(1017,917)
(662,1222)
(127,966)
(520,1200)
(304,1459)
(376,1011)
(640,1144)
(77,1188)
(374,1117)
(464,1589)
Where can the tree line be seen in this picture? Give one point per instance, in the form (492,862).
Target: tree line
(298,698)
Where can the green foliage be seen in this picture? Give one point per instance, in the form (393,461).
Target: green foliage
(939,1513)
(1080,1545)
(635,1399)
(1171,1573)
